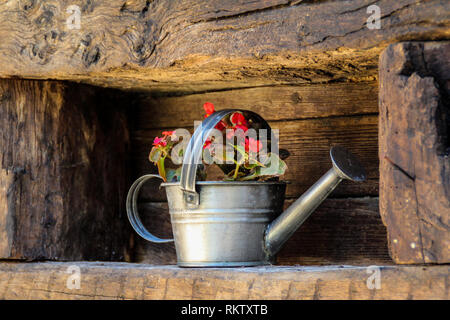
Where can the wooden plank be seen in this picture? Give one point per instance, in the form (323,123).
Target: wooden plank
(204,45)
(272,103)
(341,231)
(415,149)
(344,231)
(138,281)
(156,218)
(63,172)
(308,142)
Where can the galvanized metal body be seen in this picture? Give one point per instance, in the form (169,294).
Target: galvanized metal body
(217,223)
(228,226)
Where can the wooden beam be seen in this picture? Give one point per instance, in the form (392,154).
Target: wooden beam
(137,281)
(205,45)
(415,149)
(63,172)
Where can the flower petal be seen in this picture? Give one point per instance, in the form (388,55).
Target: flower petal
(220,126)
(159,142)
(207,144)
(242,127)
(209,108)
(238,118)
(254,145)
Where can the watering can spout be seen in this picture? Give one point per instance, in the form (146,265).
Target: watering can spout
(345,166)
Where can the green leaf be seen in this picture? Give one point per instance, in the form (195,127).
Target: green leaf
(155,155)
(277,169)
(173,175)
(161,169)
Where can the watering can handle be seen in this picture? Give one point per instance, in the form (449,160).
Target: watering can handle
(132,210)
(193,154)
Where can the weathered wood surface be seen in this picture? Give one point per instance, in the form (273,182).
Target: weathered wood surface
(273,103)
(340,231)
(63,172)
(204,45)
(344,231)
(309,143)
(415,150)
(131,281)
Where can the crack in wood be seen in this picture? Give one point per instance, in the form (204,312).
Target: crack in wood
(396,166)
(316,294)
(414,200)
(160,50)
(419,226)
(365,6)
(243,13)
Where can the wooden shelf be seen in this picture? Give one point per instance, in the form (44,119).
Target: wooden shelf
(100,280)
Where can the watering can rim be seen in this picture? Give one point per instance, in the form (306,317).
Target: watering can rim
(218,182)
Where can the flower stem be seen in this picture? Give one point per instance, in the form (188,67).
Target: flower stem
(236,171)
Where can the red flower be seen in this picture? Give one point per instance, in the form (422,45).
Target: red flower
(220,126)
(159,142)
(230,134)
(252,145)
(238,118)
(242,127)
(209,109)
(168,133)
(207,144)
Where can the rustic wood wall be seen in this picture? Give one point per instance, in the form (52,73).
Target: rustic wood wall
(415,150)
(63,172)
(312,118)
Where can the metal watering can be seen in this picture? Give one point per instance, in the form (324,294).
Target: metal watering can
(228,224)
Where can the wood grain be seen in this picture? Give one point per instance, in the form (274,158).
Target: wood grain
(273,103)
(344,231)
(193,46)
(63,172)
(131,281)
(156,218)
(415,149)
(341,231)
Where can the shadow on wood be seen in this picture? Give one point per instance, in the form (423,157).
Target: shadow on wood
(64,172)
